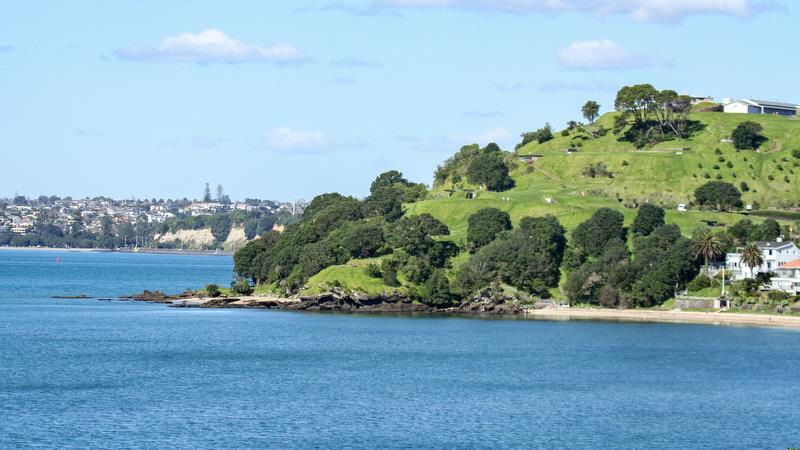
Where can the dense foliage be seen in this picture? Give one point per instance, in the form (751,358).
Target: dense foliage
(485,225)
(720,195)
(480,166)
(657,115)
(528,258)
(648,218)
(747,135)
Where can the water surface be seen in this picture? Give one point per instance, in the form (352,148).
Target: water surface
(89,373)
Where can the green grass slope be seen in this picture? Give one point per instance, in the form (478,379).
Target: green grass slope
(555,185)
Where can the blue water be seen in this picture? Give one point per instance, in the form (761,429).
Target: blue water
(89,373)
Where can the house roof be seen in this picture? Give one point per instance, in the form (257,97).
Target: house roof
(773,244)
(792,265)
(766,103)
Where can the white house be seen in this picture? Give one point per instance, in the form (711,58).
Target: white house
(776,255)
(751,106)
(787,278)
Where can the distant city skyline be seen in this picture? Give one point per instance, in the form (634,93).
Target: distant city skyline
(287,100)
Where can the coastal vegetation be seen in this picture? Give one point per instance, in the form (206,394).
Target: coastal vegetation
(586,215)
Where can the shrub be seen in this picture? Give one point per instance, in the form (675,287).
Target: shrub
(389,269)
(241,287)
(213,291)
(717,151)
(373,270)
(778,295)
(796,153)
(699,283)
(729,165)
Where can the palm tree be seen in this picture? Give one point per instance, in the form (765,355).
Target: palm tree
(708,246)
(751,257)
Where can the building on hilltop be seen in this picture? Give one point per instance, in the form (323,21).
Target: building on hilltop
(751,106)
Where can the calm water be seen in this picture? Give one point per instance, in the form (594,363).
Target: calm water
(78,373)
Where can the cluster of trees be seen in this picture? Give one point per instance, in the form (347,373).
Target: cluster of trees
(527,258)
(485,166)
(335,229)
(603,271)
(656,115)
(541,136)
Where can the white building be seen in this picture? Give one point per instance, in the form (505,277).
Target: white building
(776,255)
(787,278)
(750,106)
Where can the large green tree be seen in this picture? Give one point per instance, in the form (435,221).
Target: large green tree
(718,194)
(485,225)
(648,218)
(747,135)
(490,170)
(593,235)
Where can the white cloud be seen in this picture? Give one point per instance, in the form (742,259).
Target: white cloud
(599,55)
(498,135)
(644,10)
(284,138)
(211,46)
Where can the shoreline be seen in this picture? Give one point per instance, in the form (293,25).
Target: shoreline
(164,251)
(343,304)
(672,316)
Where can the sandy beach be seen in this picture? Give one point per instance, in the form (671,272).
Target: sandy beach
(675,316)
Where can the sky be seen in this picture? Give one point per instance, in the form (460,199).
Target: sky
(290,99)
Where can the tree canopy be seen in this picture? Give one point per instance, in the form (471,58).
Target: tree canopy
(718,194)
(485,225)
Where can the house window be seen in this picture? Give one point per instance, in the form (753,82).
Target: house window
(769,265)
(770,253)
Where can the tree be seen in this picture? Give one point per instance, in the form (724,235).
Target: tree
(648,218)
(719,194)
(220,193)
(747,135)
(490,170)
(707,245)
(593,235)
(590,110)
(436,291)
(752,257)
(529,258)
(769,230)
(207,193)
(485,225)
(637,101)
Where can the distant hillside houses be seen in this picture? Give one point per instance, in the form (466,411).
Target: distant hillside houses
(751,106)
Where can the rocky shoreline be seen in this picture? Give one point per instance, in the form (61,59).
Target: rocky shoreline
(333,301)
(483,305)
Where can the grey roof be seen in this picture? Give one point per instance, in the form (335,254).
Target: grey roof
(771,104)
(773,244)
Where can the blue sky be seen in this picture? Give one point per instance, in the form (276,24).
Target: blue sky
(287,100)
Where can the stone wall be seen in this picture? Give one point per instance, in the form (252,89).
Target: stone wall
(694,302)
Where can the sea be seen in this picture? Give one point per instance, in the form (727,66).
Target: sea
(101,373)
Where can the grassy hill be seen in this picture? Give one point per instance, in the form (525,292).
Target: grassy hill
(666,174)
